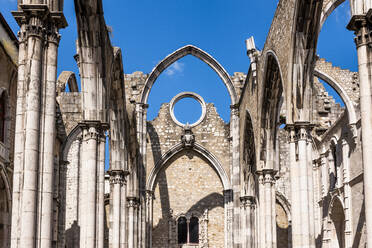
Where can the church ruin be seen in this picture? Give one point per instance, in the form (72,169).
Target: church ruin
(290,169)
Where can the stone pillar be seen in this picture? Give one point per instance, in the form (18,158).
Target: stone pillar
(123,212)
(261,210)
(235,174)
(228,209)
(248,205)
(101,191)
(269,207)
(347,194)
(92,131)
(149,217)
(325,174)
(301,180)
(132,206)
(361,24)
(116,180)
(32,212)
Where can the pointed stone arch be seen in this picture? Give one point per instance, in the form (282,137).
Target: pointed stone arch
(327,10)
(180,53)
(272,100)
(343,94)
(67,78)
(203,152)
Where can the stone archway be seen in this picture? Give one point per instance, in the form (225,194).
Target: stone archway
(336,224)
(198,181)
(180,53)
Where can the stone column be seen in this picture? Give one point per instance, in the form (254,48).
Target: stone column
(19,137)
(101,191)
(228,209)
(116,180)
(310,187)
(361,24)
(261,210)
(92,131)
(132,206)
(301,185)
(123,212)
(325,174)
(35,128)
(347,195)
(149,217)
(235,174)
(270,220)
(248,221)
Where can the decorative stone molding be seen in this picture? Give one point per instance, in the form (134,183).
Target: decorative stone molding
(93,129)
(132,202)
(118,177)
(187,95)
(248,202)
(188,138)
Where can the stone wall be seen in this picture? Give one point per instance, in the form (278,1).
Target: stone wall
(188,185)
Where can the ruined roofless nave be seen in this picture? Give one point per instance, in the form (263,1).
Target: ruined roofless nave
(292,168)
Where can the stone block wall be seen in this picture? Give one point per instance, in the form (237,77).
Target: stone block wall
(188,185)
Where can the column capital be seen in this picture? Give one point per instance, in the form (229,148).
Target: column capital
(248,201)
(93,129)
(118,177)
(362,25)
(235,109)
(132,202)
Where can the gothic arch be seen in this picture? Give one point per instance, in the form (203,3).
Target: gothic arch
(72,136)
(272,100)
(180,53)
(67,78)
(336,222)
(338,88)
(284,202)
(327,11)
(150,184)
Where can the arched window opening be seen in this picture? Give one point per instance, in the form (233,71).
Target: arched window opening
(182,230)
(189,74)
(2,117)
(188,230)
(194,230)
(334,154)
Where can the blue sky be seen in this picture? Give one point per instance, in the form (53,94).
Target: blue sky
(148,30)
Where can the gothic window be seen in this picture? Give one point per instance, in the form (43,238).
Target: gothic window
(194,230)
(2,117)
(188,230)
(182,230)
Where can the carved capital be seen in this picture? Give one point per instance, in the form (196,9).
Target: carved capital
(247,201)
(235,110)
(132,202)
(267,176)
(118,177)
(93,129)
(149,196)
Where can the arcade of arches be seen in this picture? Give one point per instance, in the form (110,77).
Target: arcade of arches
(287,170)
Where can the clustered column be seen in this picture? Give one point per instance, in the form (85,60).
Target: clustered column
(248,208)
(301,171)
(118,183)
(91,172)
(149,217)
(267,214)
(32,211)
(132,216)
(361,23)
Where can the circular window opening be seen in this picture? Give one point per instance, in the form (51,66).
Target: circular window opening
(187,107)
(187,110)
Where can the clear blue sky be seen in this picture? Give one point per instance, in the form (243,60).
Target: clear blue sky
(148,30)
